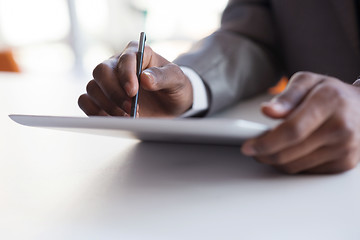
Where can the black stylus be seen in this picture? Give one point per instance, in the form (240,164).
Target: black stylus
(139,61)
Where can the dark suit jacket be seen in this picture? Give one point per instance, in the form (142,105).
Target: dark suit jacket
(261,40)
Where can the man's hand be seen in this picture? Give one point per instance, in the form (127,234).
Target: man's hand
(321,128)
(164,90)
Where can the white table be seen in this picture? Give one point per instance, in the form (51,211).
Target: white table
(61,185)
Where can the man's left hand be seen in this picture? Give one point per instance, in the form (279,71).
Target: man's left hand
(321,128)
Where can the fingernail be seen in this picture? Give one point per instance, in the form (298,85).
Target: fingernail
(248,149)
(149,76)
(147,73)
(278,106)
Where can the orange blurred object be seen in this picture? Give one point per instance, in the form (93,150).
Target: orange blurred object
(7,62)
(279,87)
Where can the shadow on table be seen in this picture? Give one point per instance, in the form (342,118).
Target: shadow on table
(161,165)
(153,177)
(157,184)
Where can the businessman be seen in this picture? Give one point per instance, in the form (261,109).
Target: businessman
(314,43)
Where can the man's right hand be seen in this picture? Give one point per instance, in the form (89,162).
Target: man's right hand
(165,91)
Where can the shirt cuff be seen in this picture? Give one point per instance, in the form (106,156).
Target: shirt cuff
(200,98)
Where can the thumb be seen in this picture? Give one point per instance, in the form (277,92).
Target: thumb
(299,86)
(169,77)
(276,108)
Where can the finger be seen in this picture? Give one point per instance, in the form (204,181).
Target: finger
(126,106)
(308,116)
(106,79)
(89,107)
(297,89)
(356,83)
(126,67)
(337,166)
(169,77)
(98,97)
(126,73)
(327,134)
(319,157)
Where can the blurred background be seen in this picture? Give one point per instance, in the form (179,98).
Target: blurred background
(73,36)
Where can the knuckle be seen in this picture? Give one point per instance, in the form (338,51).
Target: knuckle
(348,131)
(277,159)
(331,80)
(341,102)
(300,75)
(344,129)
(328,88)
(175,68)
(349,159)
(132,44)
(298,87)
(330,91)
(99,70)
(294,132)
(348,164)
(177,72)
(350,149)
(125,57)
(261,147)
(82,100)
(91,87)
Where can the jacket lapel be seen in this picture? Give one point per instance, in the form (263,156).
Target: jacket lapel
(346,13)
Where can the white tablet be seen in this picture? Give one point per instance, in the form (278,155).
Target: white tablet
(184,130)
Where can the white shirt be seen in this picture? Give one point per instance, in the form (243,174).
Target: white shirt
(200,98)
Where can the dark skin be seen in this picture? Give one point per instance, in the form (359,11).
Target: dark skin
(321,128)
(320,131)
(165,90)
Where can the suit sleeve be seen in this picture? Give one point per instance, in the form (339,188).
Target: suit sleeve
(239,60)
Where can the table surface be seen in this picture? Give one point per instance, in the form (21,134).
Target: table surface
(62,185)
